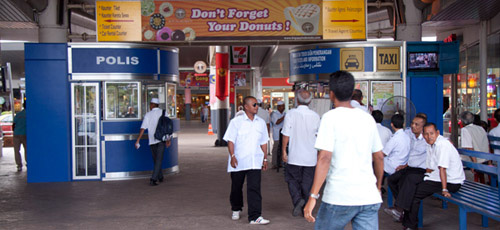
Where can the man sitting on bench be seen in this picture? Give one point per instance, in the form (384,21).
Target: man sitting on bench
(444,174)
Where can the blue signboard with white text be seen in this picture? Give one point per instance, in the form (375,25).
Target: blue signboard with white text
(113,60)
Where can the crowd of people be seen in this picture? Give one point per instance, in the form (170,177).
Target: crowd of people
(352,152)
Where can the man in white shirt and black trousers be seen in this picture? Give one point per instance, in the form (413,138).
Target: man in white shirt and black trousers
(300,128)
(398,147)
(444,174)
(247,139)
(157,147)
(351,161)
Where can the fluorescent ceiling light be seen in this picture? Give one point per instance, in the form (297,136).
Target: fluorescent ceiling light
(379,39)
(429,39)
(13,41)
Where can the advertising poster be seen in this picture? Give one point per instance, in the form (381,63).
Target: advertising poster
(177,20)
(383,90)
(240,78)
(190,79)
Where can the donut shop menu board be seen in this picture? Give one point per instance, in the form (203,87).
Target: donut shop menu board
(229,20)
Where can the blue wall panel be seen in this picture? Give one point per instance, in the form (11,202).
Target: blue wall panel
(48,113)
(368,59)
(427,95)
(129,127)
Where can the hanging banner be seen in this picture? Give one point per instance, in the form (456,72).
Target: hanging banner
(240,57)
(221,78)
(229,20)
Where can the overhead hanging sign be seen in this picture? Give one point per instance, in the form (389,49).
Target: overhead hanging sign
(118,21)
(240,57)
(224,20)
(344,19)
(388,59)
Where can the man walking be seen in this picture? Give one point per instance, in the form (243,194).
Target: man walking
(247,139)
(19,127)
(157,146)
(301,126)
(277,119)
(351,161)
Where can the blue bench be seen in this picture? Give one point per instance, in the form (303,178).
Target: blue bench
(473,196)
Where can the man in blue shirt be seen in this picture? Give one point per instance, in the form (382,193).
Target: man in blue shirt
(19,127)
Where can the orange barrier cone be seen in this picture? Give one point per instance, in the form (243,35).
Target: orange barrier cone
(210,130)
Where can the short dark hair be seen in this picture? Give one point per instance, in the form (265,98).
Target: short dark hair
(357,95)
(342,85)
(431,124)
(422,116)
(496,115)
(397,120)
(378,116)
(247,98)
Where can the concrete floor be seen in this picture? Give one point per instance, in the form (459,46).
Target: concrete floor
(196,198)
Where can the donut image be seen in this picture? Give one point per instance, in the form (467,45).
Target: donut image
(180,13)
(147,7)
(166,9)
(157,21)
(190,31)
(148,34)
(178,35)
(164,34)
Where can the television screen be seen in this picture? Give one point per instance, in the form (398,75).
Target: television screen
(423,61)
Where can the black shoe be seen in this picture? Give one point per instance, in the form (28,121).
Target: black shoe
(160,180)
(152,183)
(19,169)
(297,210)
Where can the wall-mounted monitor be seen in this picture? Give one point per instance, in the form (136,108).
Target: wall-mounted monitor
(423,61)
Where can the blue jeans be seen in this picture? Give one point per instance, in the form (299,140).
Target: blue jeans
(332,217)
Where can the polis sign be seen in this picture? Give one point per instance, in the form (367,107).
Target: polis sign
(111,60)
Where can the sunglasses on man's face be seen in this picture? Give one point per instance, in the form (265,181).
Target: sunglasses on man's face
(255,104)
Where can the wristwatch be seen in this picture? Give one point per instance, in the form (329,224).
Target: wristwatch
(315,196)
(265,159)
(445,190)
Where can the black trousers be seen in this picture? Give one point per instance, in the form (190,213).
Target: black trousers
(422,189)
(254,199)
(396,180)
(157,152)
(300,180)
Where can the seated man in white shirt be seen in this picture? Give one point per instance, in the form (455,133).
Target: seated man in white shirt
(301,126)
(496,131)
(444,174)
(416,162)
(398,147)
(356,100)
(384,133)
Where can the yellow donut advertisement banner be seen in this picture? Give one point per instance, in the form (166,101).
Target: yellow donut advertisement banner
(229,20)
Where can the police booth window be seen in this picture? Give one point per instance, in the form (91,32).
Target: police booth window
(122,100)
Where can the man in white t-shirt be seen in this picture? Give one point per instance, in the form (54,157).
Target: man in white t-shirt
(357,100)
(157,147)
(398,147)
(247,138)
(301,126)
(351,161)
(443,164)
(496,131)
(277,121)
(384,132)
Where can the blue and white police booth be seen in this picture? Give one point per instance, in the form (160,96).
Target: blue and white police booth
(382,70)
(86,105)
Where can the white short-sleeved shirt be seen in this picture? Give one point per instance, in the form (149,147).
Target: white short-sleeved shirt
(396,151)
(264,114)
(496,133)
(247,136)
(384,133)
(275,116)
(418,150)
(443,154)
(356,104)
(352,137)
(301,125)
(150,122)
(474,136)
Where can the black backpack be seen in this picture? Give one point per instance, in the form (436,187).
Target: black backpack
(165,128)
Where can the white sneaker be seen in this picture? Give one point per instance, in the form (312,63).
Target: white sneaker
(260,220)
(236,215)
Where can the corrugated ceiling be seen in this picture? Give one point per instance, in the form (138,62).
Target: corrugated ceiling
(11,17)
(468,9)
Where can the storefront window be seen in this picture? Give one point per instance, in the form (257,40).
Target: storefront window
(122,100)
(493,70)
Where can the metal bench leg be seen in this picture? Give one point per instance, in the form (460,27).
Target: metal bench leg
(485,221)
(444,204)
(462,218)
(421,214)
(389,197)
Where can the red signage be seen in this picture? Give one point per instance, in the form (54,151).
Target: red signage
(221,75)
(232,89)
(190,79)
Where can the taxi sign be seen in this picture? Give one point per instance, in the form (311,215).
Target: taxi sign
(388,59)
(352,59)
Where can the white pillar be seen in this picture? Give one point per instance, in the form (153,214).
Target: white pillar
(412,29)
(49,30)
(257,83)
(483,75)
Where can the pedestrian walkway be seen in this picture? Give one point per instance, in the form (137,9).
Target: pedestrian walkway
(195,198)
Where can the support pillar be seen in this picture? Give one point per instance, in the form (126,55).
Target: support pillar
(187,103)
(454,109)
(412,29)
(53,23)
(222,92)
(483,75)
